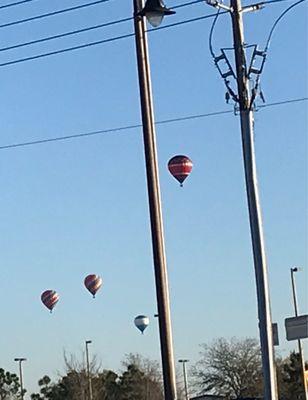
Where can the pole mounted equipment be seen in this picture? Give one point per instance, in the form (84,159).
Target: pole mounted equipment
(238,72)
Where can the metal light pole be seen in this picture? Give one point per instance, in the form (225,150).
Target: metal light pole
(247,130)
(88,370)
(185,377)
(149,138)
(300,348)
(20,360)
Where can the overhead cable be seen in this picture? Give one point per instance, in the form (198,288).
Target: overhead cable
(108,40)
(17,3)
(82,30)
(278,20)
(135,126)
(52,13)
(65,34)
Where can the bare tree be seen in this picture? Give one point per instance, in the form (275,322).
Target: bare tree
(231,368)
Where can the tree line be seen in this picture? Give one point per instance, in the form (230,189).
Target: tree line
(229,368)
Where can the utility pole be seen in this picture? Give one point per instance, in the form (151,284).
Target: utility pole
(160,267)
(185,377)
(88,370)
(300,348)
(20,360)
(247,126)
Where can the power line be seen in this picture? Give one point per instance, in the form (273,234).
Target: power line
(94,27)
(52,13)
(17,3)
(190,3)
(65,34)
(108,40)
(82,30)
(135,126)
(279,19)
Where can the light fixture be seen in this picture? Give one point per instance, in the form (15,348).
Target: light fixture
(154,11)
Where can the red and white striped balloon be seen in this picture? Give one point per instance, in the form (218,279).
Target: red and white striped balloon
(50,298)
(93,283)
(180,167)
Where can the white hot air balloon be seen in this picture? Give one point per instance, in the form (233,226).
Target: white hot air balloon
(141,322)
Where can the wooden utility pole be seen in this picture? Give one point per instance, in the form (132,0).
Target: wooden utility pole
(158,246)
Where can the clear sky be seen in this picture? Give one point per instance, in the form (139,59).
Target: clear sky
(75,207)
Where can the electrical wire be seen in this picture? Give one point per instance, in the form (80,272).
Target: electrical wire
(108,40)
(257,82)
(52,13)
(103,25)
(17,3)
(135,126)
(65,34)
(190,3)
(278,20)
(211,34)
(273,1)
(82,30)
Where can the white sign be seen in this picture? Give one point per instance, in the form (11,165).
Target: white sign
(297,327)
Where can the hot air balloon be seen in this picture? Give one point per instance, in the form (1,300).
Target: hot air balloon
(50,298)
(180,167)
(93,283)
(141,322)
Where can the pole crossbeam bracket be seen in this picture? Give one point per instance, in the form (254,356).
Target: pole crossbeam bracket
(257,55)
(223,57)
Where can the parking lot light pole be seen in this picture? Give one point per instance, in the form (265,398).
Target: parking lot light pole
(300,348)
(88,370)
(185,377)
(20,360)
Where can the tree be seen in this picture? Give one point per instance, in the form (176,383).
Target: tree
(290,378)
(150,380)
(140,380)
(230,368)
(50,391)
(9,386)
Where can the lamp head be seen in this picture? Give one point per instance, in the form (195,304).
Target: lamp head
(20,359)
(88,341)
(154,11)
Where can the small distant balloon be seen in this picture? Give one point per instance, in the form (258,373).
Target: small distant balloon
(50,298)
(142,322)
(180,167)
(93,283)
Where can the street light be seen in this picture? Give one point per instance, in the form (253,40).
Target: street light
(20,360)
(157,9)
(154,11)
(300,348)
(185,377)
(88,370)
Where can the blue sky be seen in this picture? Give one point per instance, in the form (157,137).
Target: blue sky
(76,207)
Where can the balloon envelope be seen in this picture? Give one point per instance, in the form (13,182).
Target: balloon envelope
(141,322)
(50,298)
(93,283)
(180,167)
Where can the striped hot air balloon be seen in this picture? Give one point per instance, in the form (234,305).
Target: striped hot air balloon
(50,298)
(93,283)
(180,167)
(141,322)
